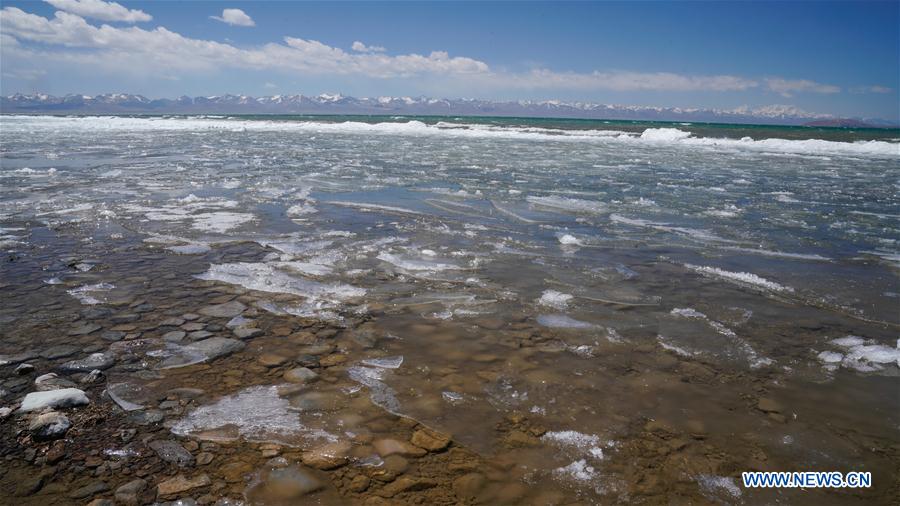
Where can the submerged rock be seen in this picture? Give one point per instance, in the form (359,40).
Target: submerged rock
(226,310)
(282,484)
(62,398)
(300,375)
(172,452)
(173,487)
(60,351)
(101,361)
(51,381)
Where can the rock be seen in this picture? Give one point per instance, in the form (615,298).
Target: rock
(226,310)
(467,486)
(147,417)
(198,335)
(56,452)
(282,485)
(331,360)
(386,447)
(300,375)
(405,484)
(767,405)
(129,494)
(204,458)
(316,349)
(101,361)
(172,322)
(307,360)
(100,502)
(174,336)
(60,351)
(190,316)
(85,329)
(125,317)
(51,381)
(172,452)
(112,335)
(247,332)
(430,440)
(359,483)
(92,377)
(63,398)
(173,487)
(272,359)
(234,472)
(89,490)
(4,413)
(23,369)
(327,456)
(49,426)
(193,327)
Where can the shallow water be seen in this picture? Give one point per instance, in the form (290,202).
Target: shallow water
(595,312)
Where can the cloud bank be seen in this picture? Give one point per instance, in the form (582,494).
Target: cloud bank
(68,37)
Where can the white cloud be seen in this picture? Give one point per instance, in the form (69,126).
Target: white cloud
(270,86)
(871,89)
(98,9)
(362,48)
(136,51)
(787,87)
(235,17)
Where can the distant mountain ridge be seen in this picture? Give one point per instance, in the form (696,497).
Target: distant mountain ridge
(123,103)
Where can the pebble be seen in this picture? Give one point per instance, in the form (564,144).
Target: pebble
(327,456)
(112,335)
(89,490)
(272,359)
(247,332)
(430,440)
(283,485)
(85,329)
(198,335)
(300,375)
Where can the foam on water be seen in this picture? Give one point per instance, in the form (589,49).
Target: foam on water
(741,278)
(654,136)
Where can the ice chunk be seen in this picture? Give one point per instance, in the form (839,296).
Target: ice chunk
(741,278)
(61,398)
(256,413)
(563,321)
(554,299)
(385,362)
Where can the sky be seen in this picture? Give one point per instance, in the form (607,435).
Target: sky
(840,58)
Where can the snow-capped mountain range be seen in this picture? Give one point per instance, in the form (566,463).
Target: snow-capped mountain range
(121,103)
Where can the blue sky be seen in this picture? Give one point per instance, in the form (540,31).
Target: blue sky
(841,58)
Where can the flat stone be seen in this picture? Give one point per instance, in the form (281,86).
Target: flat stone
(49,426)
(386,447)
(112,335)
(204,458)
(172,452)
(359,483)
(198,335)
(190,316)
(101,361)
(63,398)
(300,375)
(332,360)
(247,332)
(234,472)
(406,484)
(129,494)
(767,405)
(327,456)
(430,440)
(89,490)
(172,322)
(125,318)
(226,310)
(272,359)
(84,330)
(60,351)
(180,484)
(193,326)
(174,336)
